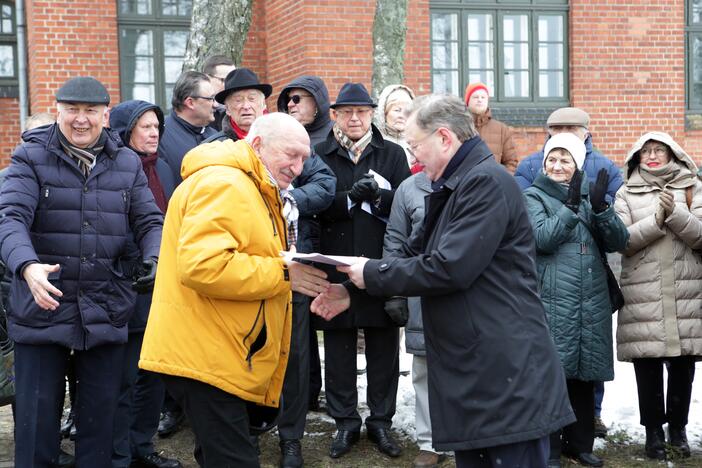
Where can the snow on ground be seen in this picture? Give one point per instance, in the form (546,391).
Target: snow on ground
(620,410)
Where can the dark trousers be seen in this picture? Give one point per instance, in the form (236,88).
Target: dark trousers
(579,436)
(529,454)
(40,386)
(291,423)
(599,396)
(382,371)
(315,367)
(219,421)
(655,410)
(136,420)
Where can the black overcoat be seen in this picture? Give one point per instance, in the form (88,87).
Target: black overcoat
(494,375)
(356,232)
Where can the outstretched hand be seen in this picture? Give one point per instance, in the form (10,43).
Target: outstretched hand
(331,303)
(355,272)
(306,279)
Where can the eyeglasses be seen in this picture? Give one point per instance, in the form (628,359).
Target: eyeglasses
(296,98)
(207,98)
(659,150)
(348,113)
(413,147)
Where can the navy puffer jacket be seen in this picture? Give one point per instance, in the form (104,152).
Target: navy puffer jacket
(50,213)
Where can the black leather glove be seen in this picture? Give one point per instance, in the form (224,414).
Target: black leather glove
(147,276)
(573,200)
(398,310)
(598,190)
(365,189)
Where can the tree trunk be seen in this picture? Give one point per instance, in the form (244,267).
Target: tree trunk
(389,32)
(218,27)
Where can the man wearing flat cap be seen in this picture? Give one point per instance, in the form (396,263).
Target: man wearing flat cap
(244,98)
(368,169)
(576,121)
(73,198)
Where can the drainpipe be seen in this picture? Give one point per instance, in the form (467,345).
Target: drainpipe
(22,60)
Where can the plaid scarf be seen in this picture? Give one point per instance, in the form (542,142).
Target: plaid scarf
(354,147)
(290,211)
(85,157)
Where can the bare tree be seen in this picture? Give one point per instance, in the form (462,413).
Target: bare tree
(218,27)
(389,32)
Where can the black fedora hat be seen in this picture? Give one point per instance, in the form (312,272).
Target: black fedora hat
(242,78)
(353,94)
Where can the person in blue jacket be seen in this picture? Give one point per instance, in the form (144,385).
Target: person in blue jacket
(140,125)
(576,121)
(73,198)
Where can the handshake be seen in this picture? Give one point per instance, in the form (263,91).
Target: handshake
(365,189)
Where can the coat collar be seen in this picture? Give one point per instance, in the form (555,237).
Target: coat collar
(331,146)
(475,156)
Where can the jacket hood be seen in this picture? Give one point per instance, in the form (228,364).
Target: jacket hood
(632,157)
(124,116)
(236,154)
(382,103)
(316,87)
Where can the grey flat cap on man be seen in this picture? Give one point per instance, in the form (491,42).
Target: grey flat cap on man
(566,116)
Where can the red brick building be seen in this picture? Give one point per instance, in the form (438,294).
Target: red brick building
(631,67)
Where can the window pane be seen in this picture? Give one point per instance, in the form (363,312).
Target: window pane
(7,61)
(445,82)
(517,84)
(144,92)
(551,28)
(172,68)
(480,55)
(516,56)
(143,70)
(135,7)
(696,65)
(696,11)
(174,43)
(551,84)
(445,55)
(480,28)
(176,7)
(137,54)
(6,26)
(483,76)
(444,27)
(516,28)
(550,56)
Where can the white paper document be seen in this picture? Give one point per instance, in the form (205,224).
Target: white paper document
(383,184)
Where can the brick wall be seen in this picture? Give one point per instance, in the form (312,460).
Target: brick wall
(69,38)
(10,128)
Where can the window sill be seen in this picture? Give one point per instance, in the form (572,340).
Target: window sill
(693,120)
(525,116)
(9,91)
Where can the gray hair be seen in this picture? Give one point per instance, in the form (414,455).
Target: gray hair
(188,84)
(443,110)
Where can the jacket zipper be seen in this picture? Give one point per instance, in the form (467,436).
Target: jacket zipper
(261,309)
(46,193)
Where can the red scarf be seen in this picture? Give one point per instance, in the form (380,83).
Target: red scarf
(149,163)
(416,168)
(241,134)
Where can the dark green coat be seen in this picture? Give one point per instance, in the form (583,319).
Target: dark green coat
(572,277)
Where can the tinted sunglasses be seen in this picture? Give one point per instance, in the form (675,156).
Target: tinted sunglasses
(296,98)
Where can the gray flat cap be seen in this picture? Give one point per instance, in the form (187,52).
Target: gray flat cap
(83,89)
(568,116)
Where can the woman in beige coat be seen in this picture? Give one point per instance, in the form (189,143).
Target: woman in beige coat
(661,323)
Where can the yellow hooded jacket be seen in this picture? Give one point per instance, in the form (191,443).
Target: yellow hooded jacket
(221,311)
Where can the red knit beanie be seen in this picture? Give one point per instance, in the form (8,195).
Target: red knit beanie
(473,87)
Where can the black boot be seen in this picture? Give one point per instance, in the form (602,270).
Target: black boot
(655,442)
(678,440)
(290,454)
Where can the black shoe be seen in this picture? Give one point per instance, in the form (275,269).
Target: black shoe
(655,442)
(600,428)
(290,454)
(67,425)
(66,460)
(170,423)
(386,444)
(586,458)
(155,460)
(678,441)
(343,442)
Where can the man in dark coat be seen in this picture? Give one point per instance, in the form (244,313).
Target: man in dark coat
(311,108)
(312,192)
(186,127)
(72,199)
(140,125)
(496,386)
(217,67)
(368,170)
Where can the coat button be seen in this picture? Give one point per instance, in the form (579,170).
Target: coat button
(86,224)
(83,259)
(383,267)
(85,189)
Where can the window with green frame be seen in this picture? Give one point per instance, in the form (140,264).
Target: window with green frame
(693,33)
(152,39)
(518,48)
(8,44)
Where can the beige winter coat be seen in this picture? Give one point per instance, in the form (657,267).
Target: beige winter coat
(661,271)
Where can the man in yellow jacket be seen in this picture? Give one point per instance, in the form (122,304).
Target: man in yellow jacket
(220,321)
